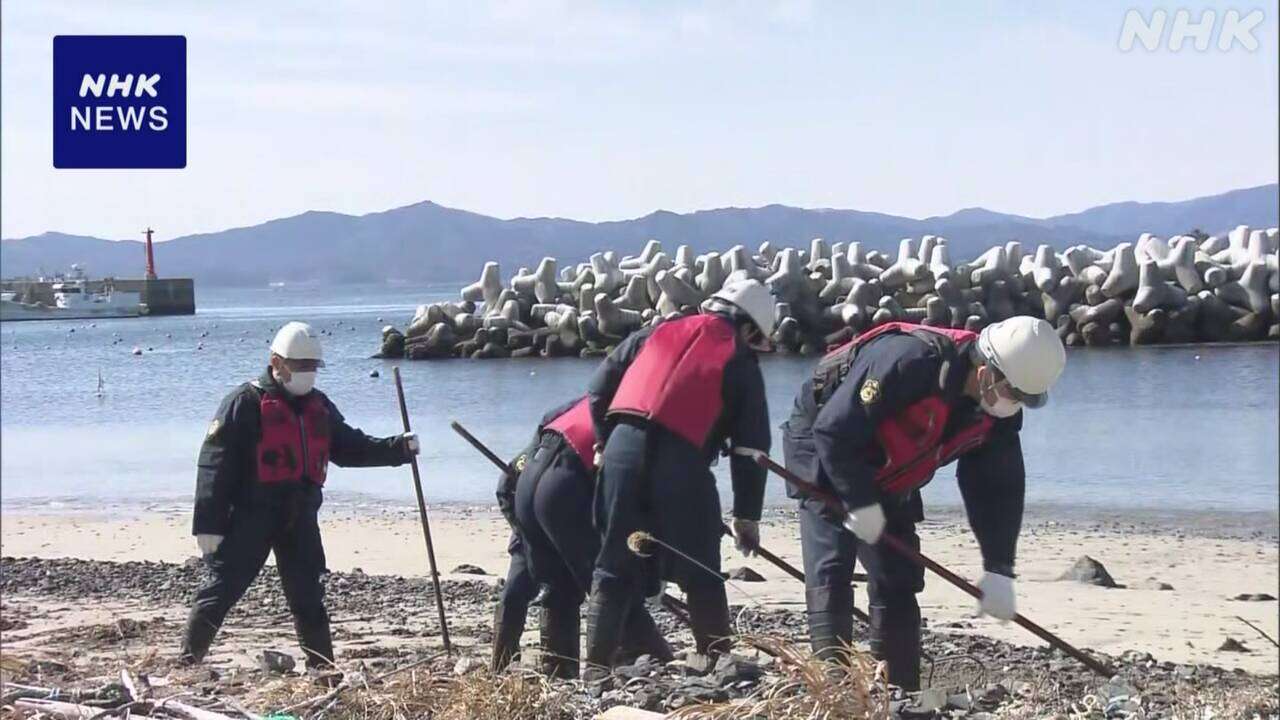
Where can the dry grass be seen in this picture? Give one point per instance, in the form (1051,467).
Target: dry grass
(807,688)
(418,692)
(797,686)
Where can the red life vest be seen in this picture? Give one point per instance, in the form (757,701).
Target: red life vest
(293,445)
(912,440)
(575,426)
(675,380)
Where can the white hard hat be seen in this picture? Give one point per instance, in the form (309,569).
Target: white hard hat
(751,297)
(298,341)
(1028,352)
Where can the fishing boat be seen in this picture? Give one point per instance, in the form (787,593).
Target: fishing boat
(75,299)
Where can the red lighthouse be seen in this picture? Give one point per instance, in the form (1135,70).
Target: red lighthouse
(151,259)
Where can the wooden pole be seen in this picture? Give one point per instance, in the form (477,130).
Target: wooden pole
(915,556)
(422,514)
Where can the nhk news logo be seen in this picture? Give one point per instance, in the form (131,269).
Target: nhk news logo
(119,101)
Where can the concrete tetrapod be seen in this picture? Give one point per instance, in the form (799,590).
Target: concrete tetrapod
(651,248)
(684,257)
(1059,299)
(608,277)
(861,263)
(989,267)
(711,279)
(487,288)
(1046,269)
(1154,292)
(818,254)
(1123,277)
(636,296)
(615,320)
(1180,265)
(678,292)
(908,267)
(1082,261)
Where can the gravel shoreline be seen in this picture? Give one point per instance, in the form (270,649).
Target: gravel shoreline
(1210,523)
(383,621)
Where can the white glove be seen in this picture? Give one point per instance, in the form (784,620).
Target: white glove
(866,522)
(746,535)
(998,599)
(208,544)
(411,443)
(597,456)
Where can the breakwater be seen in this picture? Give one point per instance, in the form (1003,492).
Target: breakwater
(1183,289)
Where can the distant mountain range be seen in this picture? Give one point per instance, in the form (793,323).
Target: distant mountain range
(426,242)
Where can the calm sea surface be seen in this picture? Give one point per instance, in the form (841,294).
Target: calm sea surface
(1189,428)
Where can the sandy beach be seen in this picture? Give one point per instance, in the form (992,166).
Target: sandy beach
(1206,566)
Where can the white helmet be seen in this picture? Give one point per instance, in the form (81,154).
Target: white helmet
(751,297)
(1028,352)
(298,341)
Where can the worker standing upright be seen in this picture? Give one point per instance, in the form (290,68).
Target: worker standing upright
(258,491)
(879,416)
(663,404)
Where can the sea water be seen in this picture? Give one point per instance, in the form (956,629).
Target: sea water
(1160,428)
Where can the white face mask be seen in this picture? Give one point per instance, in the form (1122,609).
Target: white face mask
(299,382)
(1001,407)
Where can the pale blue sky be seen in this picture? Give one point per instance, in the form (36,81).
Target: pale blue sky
(612,110)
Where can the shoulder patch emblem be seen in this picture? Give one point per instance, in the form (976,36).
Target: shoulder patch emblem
(521,462)
(870,393)
(214,427)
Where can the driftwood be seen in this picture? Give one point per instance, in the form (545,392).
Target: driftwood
(136,695)
(59,708)
(619,712)
(109,694)
(190,712)
(15,692)
(137,689)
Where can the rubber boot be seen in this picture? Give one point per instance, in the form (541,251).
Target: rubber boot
(506,638)
(642,637)
(316,643)
(197,638)
(895,639)
(606,617)
(830,615)
(709,618)
(559,632)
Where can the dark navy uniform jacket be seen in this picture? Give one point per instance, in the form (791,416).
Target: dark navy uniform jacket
(226,475)
(743,422)
(506,492)
(836,445)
